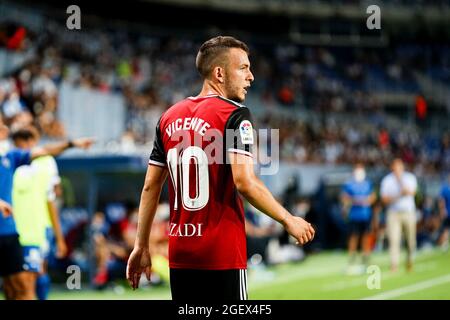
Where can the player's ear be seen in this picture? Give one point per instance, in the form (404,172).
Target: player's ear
(218,74)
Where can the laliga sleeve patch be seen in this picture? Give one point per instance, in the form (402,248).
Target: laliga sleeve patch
(246,132)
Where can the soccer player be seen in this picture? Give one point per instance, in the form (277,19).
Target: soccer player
(11,252)
(35,210)
(205,144)
(444,210)
(397,193)
(357,198)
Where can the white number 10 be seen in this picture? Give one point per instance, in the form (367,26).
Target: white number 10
(201,176)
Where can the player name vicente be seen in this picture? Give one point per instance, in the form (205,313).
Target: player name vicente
(185,230)
(197,124)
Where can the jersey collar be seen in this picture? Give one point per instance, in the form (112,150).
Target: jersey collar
(203,97)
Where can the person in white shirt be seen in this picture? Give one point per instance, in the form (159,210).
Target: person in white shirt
(397,192)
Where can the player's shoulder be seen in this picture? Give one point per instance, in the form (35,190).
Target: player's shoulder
(210,105)
(47,162)
(387,178)
(347,183)
(175,108)
(212,99)
(48,159)
(13,152)
(16,152)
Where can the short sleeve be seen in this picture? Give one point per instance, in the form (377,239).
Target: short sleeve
(346,189)
(53,167)
(19,157)
(384,187)
(239,132)
(54,179)
(51,195)
(413,183)
(158,156)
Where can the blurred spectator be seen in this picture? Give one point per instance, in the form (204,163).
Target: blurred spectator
(357,198)
(397,192)
(429,225)
(114,240)
(112,248)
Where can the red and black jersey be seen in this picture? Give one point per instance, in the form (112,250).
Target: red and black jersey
(193,139)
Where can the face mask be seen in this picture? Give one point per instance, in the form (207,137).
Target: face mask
(359,174)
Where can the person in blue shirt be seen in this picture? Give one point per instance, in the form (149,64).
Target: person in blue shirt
(444,210)
(15,280)
(357,198)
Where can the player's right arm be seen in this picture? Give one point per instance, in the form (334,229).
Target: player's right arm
(57,148)
(254,190)
(140,260)
(346,201)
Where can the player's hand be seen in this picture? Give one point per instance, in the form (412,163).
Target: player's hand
(300,229)
(5,209)
(83,143)
(138,262)
(61,249)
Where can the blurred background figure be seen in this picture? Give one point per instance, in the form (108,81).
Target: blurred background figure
(397,192)
(428,225)
(35,210)
(113,235)
(357,198)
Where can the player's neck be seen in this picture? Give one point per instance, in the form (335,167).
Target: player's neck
(210,88)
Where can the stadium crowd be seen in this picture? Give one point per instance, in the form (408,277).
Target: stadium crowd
(154,72)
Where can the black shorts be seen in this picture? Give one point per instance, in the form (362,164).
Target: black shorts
(11,255)
(358,227)
(208,285)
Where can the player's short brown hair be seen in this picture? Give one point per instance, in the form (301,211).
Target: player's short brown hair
(211,53)
(26,133)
